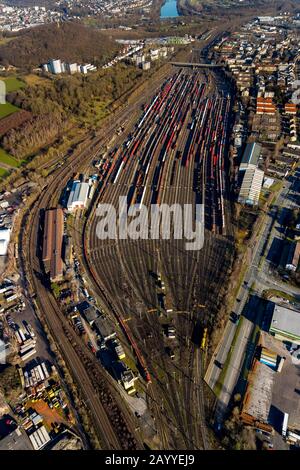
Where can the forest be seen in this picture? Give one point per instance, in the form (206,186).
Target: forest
(71,42)
(69,99)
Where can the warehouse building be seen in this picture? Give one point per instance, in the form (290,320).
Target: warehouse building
(251,187)
(39,438)
(53,242)
(16,440)
(258,397)
(105,328)
(78,196)
(91,314)
(285,324)
(250,156)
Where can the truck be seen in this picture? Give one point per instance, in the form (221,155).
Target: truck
(280,365)
(30,330)
(293,437)
(28,354)
(21,333)
(12,297)
(45,370)
(25,349)
(42,375)
(285,424)
(4,289)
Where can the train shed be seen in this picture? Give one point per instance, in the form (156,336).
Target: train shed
(53,242)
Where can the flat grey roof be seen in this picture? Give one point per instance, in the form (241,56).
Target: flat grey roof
(16,440)
(286,320)
(251,153)
(104,327)
(90,314)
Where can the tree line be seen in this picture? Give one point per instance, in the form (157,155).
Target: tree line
(70,41)
(68,98)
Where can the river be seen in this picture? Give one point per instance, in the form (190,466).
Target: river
(169,9)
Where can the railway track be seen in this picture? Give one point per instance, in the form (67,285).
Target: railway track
(142,169)
(108,420)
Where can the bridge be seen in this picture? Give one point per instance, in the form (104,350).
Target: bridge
(196,65)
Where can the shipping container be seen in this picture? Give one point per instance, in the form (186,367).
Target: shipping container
(28,354)
(12,297)
(42,375)
(45,370)
(22,334)
(280,365)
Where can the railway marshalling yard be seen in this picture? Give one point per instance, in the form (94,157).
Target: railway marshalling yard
(175,153)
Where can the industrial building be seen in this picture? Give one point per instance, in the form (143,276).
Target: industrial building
(16,440)
(251,187)
(258,396)
(39,438)
(250,156)
(285,324)
(4,240)
(78,196)
(91,314)
(53,242)
(104,328)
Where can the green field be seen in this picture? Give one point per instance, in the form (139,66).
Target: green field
(7,109)
(8,160)
(3,172)
(13,84)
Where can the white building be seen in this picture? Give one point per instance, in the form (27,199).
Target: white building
(71,68)
(251,187)
(55,66)
(4,240)
(78,196)
(39,438)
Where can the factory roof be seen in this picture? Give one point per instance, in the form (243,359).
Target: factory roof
(91,314)
(286,322)
(52,242)
(104,327)
(251,153)
(251,186)
(39,438)
(258,397)
(78,194)
(16,440)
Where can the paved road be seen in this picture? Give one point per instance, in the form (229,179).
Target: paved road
(80,362)
(256,273)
